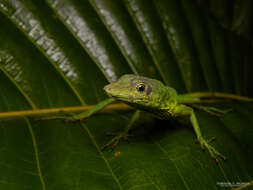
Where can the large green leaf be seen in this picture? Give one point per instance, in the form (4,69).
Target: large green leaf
(60,53)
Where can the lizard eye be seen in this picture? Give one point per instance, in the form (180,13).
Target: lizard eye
(140,87)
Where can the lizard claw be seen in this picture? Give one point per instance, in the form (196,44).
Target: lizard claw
(113,143)
(212,151)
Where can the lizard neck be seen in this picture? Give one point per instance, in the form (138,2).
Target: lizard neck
(169,100)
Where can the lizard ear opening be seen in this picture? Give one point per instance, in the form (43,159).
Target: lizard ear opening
(140,87)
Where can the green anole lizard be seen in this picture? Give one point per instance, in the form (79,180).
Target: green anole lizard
(152,96)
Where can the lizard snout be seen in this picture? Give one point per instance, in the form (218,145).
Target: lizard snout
(108,89)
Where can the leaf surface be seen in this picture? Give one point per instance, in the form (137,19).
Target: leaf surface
(60,53)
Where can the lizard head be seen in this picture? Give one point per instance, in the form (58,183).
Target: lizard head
(139,91)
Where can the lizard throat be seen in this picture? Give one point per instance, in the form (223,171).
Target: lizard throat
(128,100)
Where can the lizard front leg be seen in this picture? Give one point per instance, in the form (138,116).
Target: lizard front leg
(83,115)
(183,110)
(124,134)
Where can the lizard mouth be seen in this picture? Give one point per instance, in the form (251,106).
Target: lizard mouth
(124,99)
(128,99)
(118,97)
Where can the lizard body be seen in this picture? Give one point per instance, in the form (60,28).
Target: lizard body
(163,101)
(152,96)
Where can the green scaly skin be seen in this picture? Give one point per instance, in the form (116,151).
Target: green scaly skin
(152,96)
(163,101)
